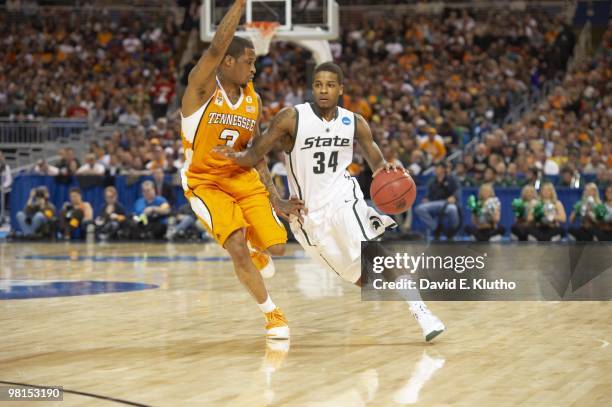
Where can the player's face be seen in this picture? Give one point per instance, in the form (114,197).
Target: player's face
(326,90)
(242,70)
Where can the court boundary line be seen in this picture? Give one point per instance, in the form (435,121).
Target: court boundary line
(81,393)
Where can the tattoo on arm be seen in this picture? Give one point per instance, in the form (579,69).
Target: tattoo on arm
(277,132)
(223,37)
(227,28)
(266,179)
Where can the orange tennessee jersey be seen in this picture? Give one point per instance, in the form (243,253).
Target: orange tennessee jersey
(217,123)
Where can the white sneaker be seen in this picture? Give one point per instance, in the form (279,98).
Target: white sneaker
(430,324)
(277,326)
(269,270)
(263,262)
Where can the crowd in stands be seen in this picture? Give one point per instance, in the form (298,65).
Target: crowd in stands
(538,215)
(430,86)
(114,68)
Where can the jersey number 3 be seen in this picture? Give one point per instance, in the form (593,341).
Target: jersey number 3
(230,136)
(320,159)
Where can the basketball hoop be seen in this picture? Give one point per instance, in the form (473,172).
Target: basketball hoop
(261,33)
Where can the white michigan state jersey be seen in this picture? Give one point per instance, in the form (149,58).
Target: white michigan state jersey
(321,155)
(338,217)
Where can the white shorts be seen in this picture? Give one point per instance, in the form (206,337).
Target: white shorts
(333,234)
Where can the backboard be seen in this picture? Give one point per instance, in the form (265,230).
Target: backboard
(299,20)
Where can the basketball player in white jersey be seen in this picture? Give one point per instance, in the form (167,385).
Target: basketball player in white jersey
(318,141)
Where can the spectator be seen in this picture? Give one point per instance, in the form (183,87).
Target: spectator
(433,145)
(417,162)
(91,167)
(439,209)
(68,164)
(533,177)
(604,178)
(481,158)
(569,179)
(187,227)
(76,215)
(462,176)
(151,213)
(111,221)
(38,218)
(159,160)
(489,176)
(548,216)
(603,231)
(162,93)
(6,180)
(523,212)
(44,168)
(486,214)
(163,188)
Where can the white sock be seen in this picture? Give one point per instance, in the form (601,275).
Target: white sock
(412,297)
(417,306)
(267,306)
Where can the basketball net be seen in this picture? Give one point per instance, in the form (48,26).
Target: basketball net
(261,34)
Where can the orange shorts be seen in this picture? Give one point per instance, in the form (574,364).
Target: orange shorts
(228,203)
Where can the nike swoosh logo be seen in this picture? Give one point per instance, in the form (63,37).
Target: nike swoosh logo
(345,201)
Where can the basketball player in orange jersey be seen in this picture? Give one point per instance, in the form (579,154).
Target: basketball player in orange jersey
(221,108)
(318,141)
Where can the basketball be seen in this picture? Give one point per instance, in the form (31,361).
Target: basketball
(393,192)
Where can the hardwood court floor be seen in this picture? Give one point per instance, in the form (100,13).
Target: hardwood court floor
(197,340)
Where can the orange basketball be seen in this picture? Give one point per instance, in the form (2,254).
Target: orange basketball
(393,192)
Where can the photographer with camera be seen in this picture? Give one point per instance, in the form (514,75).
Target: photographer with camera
(112,216)
(76,215)
(6,180)
(38,218)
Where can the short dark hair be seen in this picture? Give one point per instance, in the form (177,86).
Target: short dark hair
(330,67)
(237,46)
(75,189)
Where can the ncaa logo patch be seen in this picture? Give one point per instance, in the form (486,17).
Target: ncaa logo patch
(346,121)
(219,100)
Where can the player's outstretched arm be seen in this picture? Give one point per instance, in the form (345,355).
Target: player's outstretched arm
(370,149)
(279,134)
(201,82)
(258,150)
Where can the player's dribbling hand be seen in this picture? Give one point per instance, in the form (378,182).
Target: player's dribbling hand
(293,206)
(387,167)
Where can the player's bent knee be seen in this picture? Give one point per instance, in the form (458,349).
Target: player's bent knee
(236,245)
(277,249)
